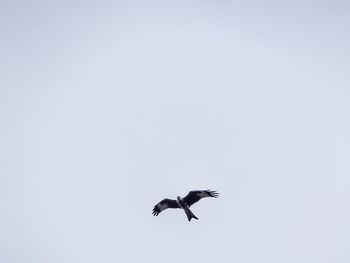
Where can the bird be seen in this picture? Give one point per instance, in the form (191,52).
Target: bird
(184,203)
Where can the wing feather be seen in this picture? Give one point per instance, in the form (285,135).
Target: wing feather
(194,196)
(164,204)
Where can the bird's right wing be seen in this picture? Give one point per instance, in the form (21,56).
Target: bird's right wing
(164,204)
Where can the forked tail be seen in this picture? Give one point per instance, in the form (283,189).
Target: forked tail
(190,215)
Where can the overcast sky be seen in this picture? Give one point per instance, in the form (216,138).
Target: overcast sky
(107,107)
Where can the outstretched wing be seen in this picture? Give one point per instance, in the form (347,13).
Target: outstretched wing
(195,196)
(164,204)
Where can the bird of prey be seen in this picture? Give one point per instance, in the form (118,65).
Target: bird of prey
(184,203)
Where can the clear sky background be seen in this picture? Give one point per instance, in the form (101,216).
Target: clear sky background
(107,107)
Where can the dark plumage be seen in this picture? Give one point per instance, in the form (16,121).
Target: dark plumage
(194,196)
(184,203)
(164,204)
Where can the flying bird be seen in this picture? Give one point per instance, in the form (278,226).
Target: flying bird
(184,203)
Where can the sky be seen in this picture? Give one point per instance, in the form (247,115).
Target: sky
(108,107)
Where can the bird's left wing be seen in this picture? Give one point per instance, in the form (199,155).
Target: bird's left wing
(195,196)
(164,204)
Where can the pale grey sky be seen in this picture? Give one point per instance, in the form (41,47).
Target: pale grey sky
(107,107)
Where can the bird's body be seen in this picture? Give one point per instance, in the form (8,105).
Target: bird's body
(184,203)
(186,208)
